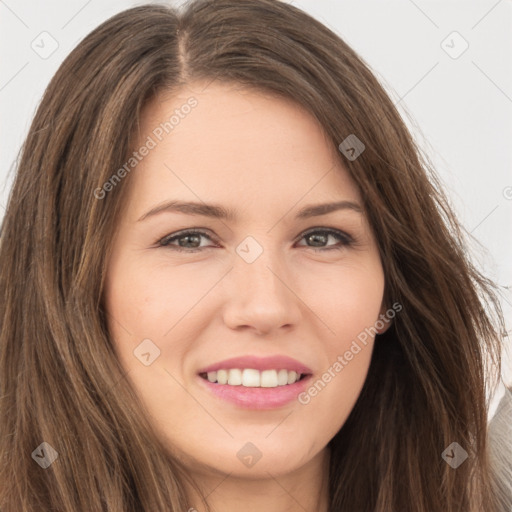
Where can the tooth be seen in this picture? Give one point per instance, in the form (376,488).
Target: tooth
(268,379)
(235,377)
(282,377)
(222,376)
(292,377)
(251,378)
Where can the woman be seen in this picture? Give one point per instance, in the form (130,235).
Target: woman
(139,372)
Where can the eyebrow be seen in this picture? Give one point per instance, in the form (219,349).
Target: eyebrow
(219,212)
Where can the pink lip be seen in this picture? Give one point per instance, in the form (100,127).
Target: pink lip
(257,398)
(259,363)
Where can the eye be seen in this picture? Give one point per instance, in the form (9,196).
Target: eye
(190,241)
(318,236)
(189,237)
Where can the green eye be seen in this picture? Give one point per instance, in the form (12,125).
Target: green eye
(313,236)
(190,237)
(316,236)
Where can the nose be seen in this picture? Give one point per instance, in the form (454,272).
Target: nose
(261,295)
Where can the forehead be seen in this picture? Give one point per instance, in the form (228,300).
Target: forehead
(222,143)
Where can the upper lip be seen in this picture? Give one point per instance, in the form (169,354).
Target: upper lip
(277,362)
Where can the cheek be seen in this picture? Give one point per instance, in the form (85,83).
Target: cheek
(150,299)
(144,304)
(349,303)
(350,309)
(159,304)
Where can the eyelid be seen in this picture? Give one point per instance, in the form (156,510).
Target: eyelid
(344,238)
(331,231)
(183,232)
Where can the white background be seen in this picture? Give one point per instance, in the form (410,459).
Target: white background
(459,109)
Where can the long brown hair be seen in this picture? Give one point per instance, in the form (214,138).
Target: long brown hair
(60,382)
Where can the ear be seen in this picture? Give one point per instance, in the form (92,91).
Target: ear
(384,321)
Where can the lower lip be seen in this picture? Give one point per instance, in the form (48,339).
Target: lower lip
(257,398)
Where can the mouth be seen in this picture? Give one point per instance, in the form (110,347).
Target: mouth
(252,378)
(256,383)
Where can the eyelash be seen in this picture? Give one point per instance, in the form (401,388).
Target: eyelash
(345,239)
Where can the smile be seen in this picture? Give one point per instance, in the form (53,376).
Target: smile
(252,378)
(255,382)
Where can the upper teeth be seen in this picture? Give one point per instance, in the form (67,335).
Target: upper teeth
(254,378)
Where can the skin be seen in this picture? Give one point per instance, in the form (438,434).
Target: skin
(265,158)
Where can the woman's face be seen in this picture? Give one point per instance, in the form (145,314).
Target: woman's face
(280,285)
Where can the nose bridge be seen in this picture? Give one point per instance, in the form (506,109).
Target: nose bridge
(261,297)
(258,266)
